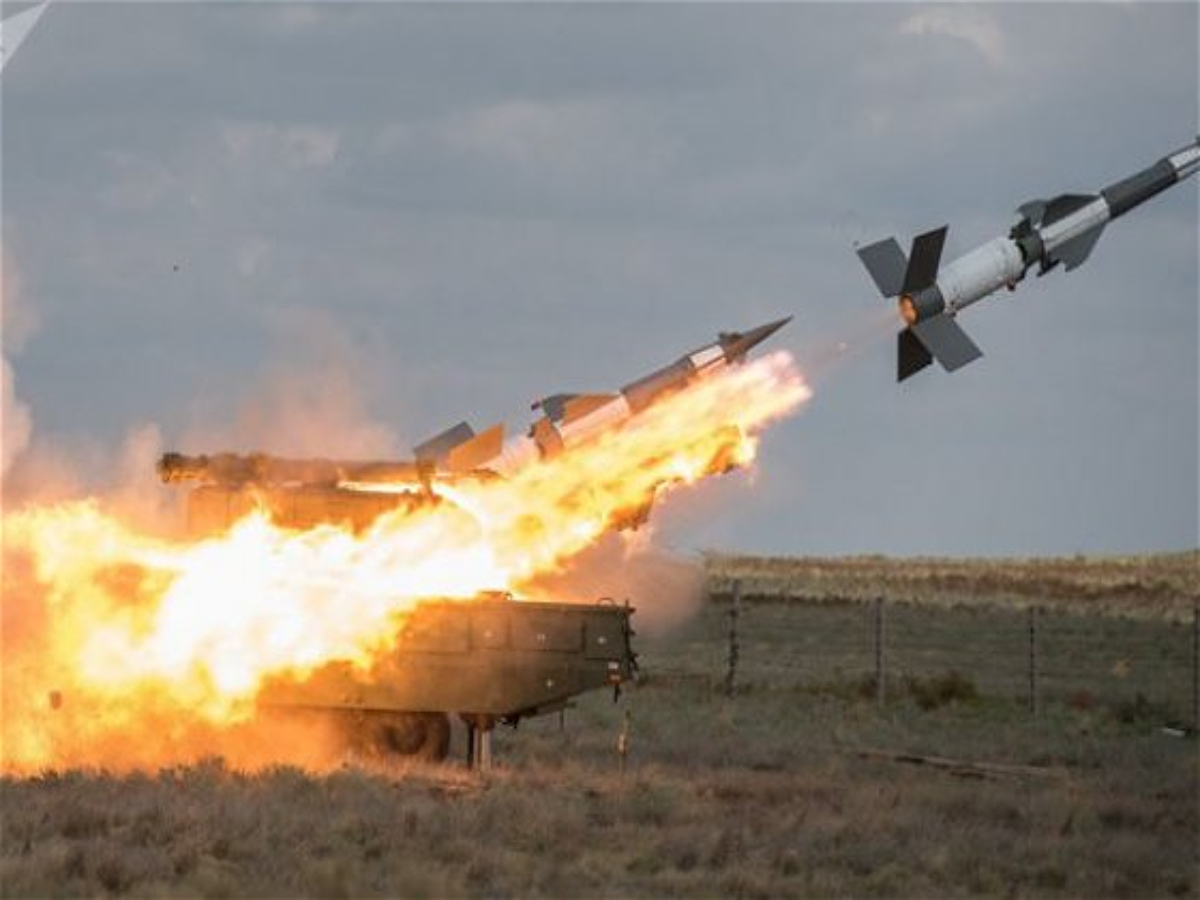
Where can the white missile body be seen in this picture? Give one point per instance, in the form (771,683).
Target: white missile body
(983,271)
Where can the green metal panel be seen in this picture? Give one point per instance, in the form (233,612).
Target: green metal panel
(549,629)
(503,658)
(442,633)
(604,634)
(489,629)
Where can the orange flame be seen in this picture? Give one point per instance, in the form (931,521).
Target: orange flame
(132,634)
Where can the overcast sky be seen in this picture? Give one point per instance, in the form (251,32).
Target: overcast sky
(341,228)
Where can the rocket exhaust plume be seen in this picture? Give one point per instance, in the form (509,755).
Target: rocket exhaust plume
(123,649)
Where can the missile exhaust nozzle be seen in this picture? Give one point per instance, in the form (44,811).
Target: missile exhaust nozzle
(930,331)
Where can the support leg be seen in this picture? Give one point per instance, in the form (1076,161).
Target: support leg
(481,749)
(479,741)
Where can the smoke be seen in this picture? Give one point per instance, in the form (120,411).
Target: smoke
(666,588)
(16,420)
(135,493)
(17,324)
(52,469)
(308,401)
(825,354)
(305,400)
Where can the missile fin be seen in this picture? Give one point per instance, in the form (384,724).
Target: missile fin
(1075,251)
(923,260)
(555,405)
(886,263)
(436,448)
(1033,210)
(911,356)
(948,343)
(1063,205)
(472,454)
(547,438)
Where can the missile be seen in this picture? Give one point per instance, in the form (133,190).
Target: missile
(569,420)
(1047,233)
(16,28)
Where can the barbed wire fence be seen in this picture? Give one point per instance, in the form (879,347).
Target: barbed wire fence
(885,650)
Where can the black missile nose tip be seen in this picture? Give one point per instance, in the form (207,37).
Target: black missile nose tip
(756,336)
(771,327)
(736,346)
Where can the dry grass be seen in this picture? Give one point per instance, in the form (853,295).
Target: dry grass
(757,795)
(1152,586)
(737,798)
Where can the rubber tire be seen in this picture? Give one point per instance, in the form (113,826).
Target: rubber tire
(424,736)
(437,737)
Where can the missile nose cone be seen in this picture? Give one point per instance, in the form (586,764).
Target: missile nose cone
(736,345)
(762,332)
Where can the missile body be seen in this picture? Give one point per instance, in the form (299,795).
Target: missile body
(1047,232)
(569,420)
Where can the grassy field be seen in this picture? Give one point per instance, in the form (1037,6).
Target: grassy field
(797,784)
(1150,586)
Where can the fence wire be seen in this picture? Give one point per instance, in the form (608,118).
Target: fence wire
(1076,660)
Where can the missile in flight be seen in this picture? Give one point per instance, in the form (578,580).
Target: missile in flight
(1047,232)
(15,28)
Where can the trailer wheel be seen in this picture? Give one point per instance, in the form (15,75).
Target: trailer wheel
(437,737)
(423,736)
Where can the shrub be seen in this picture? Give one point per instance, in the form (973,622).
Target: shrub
(937,691)
(1139,711)
(1082,700)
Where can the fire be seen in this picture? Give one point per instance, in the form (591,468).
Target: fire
(140,643)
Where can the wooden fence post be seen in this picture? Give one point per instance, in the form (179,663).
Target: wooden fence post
(623,743)
(880,673)
(1034,698)
(735,609)
(1196,666)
